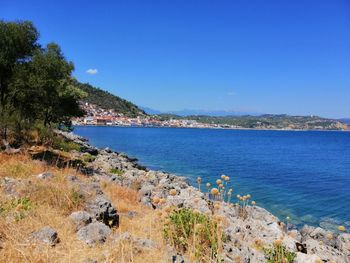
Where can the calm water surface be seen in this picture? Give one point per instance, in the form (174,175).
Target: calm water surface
(303,175)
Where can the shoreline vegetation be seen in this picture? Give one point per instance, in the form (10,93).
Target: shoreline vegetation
(63,200)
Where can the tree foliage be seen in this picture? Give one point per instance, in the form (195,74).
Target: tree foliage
(36,83)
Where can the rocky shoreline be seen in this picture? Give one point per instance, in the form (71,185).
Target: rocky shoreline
(243,235)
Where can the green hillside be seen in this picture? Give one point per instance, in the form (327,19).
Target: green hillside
(108,101)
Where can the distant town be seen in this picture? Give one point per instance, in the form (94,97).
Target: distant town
(96,115)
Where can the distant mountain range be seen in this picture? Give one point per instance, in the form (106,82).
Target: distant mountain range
(190,112)
(345,120)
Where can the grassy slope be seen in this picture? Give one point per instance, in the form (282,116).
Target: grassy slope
(51,202)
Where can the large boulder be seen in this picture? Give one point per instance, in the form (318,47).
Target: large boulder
(102,210)
(94,233)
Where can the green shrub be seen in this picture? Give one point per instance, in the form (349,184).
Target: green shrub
(116,171)
(195,233)
(63,145)
(18,208)
(87,158)
(278,253)
(76,197)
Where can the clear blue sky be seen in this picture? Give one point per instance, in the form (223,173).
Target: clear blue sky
(290,56)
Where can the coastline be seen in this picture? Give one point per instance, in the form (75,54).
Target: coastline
(262,224)
(210,128)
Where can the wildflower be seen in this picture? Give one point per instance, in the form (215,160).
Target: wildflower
(167,209)
(227,178)
(217,206)
(198,227)
(172,192)
(238,196)
(223,177)
(218,182)
(277,242)
(248,196)
(217,218)
(156,200)
(253,203)
(329,236)
(230,190)
(341,228)
(208,185)
(214,191)
(162,201)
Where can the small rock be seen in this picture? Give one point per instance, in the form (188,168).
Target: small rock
(92,151)
(101,208)
(45,175)
(132,214)
(94,233)
(80,219)
(305,258)
(144,243)
(46,235)
(178,259)
(108,150)
(118,237)
(72,178)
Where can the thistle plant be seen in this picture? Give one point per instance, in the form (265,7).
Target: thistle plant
(341,228)
(214,192)
(172,192)
(194,233)
(208,188)
(229,194)
(243,203)
(199,180)
(278,253)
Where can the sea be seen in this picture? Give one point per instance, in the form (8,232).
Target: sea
(302,176)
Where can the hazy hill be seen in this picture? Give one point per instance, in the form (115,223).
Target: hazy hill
(107,100)
(345,120)
(268,121)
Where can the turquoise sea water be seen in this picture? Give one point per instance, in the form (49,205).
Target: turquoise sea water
(301,174)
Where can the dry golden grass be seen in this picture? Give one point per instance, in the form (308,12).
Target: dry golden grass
(51,201)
